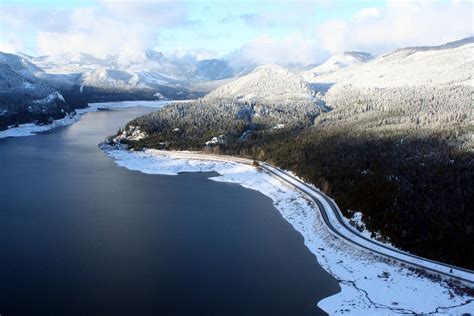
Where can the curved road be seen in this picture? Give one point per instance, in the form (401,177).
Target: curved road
(464,276)
(333,218)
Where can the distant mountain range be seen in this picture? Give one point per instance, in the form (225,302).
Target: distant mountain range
(451,63)
(149,69)
(80,78)
(416,87)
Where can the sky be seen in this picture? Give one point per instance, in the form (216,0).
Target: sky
(283,32)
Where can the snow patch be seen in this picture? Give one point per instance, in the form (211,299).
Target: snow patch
(216,140)
(131,133)
(358,224)
(28,85)
(50,98)
(30,129)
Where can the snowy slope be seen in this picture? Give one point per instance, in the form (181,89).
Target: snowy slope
(18,75)
(113,70)
(439,65)
(266,84)
(20,65)
(214,69)
(111,79)
(151,68)
(337,62)
(69,63)
(409,88)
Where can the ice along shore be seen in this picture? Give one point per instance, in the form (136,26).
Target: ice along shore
(369,284)
(30,129)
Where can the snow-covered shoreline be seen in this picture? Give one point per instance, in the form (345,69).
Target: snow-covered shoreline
(369,285)
(30,129)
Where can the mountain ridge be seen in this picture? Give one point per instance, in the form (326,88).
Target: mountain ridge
(83,78)
(266,84)
(440,65)
(337,62)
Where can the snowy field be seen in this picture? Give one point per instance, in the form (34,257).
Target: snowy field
(370,286)
(30,129)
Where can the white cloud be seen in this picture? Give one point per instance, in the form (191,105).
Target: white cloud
(264,49)
(156,13)
(375,30)
(332,36)
(128,27)
(197,54)
(7,47)
(109,27)
(10,43)
(398,24)
(366,13)
(97,34)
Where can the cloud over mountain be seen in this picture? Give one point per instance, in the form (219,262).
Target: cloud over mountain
(398,24)
(258,32)
(106,28)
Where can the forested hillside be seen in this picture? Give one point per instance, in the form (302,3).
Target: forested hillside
(412,186)
(27,82)
(401,152)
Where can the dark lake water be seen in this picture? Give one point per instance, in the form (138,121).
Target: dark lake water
(80,235)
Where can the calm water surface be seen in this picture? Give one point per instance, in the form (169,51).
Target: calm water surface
(80,235)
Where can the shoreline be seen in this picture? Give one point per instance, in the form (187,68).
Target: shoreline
(368,284)
(31,129)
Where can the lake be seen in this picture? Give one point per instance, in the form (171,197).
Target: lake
(80,235)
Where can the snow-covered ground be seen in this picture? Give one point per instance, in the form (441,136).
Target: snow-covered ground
(30,129)
(369,284)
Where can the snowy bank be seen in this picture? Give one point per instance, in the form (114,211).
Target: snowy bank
(30,129)
(369,284)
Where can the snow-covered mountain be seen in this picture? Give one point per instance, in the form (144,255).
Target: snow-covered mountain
(451,63)
(337,62)
(69,63)
(20,65)
(214,69)
(266,84)
(28,93)
(149,69)
(46,87)
(415,85)
(111,78)
(18,75)
(410,87)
